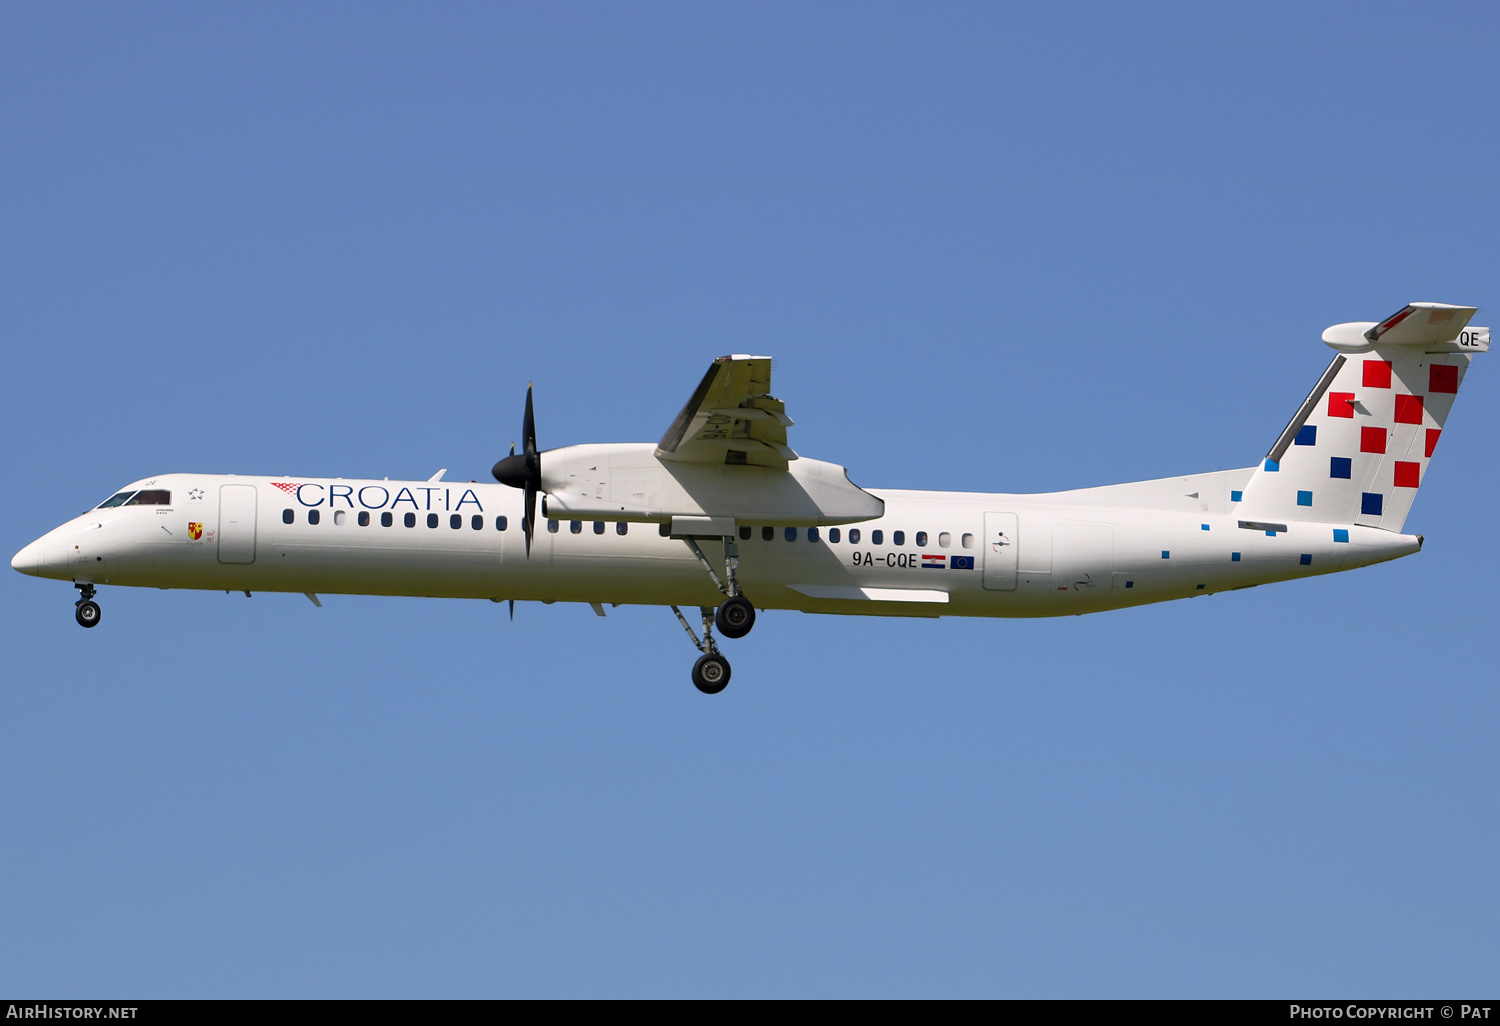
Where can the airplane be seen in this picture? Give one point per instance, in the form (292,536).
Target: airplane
(722,510)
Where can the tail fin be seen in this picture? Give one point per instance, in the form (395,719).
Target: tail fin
(1359,446)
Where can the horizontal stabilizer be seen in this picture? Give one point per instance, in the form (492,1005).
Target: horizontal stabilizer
(1425,326)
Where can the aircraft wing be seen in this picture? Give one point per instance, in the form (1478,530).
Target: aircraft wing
(732,419)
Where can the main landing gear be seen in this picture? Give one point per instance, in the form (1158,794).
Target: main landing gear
(711,671)
(735,616)
(86,610)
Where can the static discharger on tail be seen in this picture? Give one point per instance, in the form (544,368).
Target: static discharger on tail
(723,515)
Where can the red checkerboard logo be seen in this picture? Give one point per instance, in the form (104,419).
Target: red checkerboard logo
(1407,474)
(1341,404)
(286,486)
(1372,439)
(1408,409)
(1442,377)
(1377,374)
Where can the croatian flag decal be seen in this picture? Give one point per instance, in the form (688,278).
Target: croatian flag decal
(935,562)
(962,563)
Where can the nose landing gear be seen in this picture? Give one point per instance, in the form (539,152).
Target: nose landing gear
(86,610)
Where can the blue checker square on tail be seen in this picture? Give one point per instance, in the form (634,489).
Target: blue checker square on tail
(1234,557)
(1236,496)
(1371,503)
(1340,467)
(1205,527)
(1340,534)
(1272,466)
(1307,434)
(1304,498)
(1306,559)
(1166,554)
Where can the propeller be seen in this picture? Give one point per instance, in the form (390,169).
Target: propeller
(524,470)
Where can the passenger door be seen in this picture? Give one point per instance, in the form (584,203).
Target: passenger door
(236,523)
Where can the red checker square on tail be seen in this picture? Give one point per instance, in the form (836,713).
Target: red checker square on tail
(1442,377)
(1408,409)
(1372,439)
(1341,404)
(1377,374)
(1432,437)
(1407,474)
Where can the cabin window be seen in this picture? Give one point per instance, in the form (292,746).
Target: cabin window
(812,534)
(898,537)
(476,522)
(921,539)
(117,499)
(364,518)
(744,534)
(339,516)
(853,536)
(621,527)
(151,497)
(313,516)
(877,537)
(944,540)
(501,523)
(386,519)
(833,535)
(598,527)
(575,526)
(968,541)
(287,516)
(432,520)
(665,530)
(551,526)
(410,520)
(456,521)
(767,533)
(791,534)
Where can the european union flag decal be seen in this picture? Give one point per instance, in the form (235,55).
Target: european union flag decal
(961,562)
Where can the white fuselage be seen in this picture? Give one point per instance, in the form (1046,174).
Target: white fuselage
(938,553)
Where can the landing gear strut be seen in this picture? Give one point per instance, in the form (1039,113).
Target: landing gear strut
(735,615)
(711,671)
(86,610)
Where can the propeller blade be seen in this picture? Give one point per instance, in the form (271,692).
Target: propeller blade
(528,427)
(529,521)
(513,610)
(524,469)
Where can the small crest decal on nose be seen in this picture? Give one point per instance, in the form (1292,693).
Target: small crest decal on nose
(195,531)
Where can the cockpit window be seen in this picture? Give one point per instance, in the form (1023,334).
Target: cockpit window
(115,500)
(151,497)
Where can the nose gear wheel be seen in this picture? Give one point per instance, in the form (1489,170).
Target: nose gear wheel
(86,610)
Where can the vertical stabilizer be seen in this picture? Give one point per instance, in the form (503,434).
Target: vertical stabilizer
(1359,446)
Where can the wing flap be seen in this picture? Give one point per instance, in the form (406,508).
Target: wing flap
(731,419)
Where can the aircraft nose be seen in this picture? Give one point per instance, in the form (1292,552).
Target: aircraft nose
(28,560)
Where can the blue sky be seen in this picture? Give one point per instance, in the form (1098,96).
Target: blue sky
(992,248)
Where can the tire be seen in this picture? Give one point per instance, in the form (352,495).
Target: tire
(711,674)
(735,617)
(87,614)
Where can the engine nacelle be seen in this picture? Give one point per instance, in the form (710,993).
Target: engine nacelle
(628,482)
